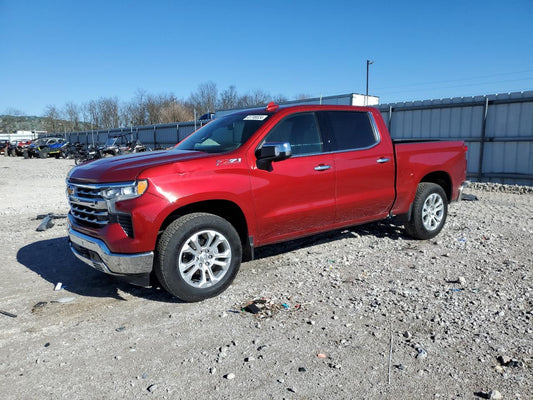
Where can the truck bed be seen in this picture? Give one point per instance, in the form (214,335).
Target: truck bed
(418,159)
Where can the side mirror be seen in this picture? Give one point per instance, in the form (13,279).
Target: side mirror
(271,152)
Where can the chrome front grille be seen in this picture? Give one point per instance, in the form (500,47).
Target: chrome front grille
(87,206)
(89,215)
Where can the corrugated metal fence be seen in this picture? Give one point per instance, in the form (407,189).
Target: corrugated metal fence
(155,136)
(498,130)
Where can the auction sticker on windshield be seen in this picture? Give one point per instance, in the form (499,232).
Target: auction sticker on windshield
(255,117)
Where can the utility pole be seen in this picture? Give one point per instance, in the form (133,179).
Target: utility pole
(368,62)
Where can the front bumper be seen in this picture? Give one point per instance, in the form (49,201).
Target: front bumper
(95,252)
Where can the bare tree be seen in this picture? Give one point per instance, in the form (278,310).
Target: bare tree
(205,98)
(175,112)
(71,112)
(94,115)
(280,99)
(228,98)
(145,109)
(85,114)
(136,109)
(108,112)
(52,118)
(256,98)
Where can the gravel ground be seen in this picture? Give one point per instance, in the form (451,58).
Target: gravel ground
(359,313)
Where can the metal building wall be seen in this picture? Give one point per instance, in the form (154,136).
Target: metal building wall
(498,130)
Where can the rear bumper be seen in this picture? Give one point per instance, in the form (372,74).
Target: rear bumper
(461,188)
(95,253)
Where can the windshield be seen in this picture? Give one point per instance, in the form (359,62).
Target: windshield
(225,134)
(111,141)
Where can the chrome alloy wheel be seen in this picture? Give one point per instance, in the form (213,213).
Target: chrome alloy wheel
(433,212)
(204,259)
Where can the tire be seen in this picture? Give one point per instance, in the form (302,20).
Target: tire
(429,212)
(43,154)
(187,272)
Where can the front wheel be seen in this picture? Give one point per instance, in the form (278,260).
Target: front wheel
(429,212)
(198,256)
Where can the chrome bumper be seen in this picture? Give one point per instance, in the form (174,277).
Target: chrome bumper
(461,188)
(96,253)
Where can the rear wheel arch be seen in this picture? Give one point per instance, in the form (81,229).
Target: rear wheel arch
(442,179)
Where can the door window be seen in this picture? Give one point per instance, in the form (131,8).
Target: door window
(301,131)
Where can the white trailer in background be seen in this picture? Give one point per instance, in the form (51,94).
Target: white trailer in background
(21,136)
(350,99)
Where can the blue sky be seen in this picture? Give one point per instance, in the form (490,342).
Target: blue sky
(52,52)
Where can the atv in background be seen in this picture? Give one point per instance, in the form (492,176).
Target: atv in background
(44,147)
(83,153)
(121,144)
(21,146)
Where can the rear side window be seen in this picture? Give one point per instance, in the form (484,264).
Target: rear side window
(350,130)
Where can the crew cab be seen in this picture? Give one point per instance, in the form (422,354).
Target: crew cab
(190,215)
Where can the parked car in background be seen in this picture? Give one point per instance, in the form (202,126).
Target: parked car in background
(4,147)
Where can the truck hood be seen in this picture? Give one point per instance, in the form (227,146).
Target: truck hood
(128,167)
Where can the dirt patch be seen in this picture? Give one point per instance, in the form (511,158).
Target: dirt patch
(364,312)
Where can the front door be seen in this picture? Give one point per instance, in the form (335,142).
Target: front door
(297,196)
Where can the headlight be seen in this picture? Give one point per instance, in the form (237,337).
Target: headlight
(125,191)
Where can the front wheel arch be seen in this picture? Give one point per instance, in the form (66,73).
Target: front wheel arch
(225,209)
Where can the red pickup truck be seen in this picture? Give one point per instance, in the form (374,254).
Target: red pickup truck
(190,215)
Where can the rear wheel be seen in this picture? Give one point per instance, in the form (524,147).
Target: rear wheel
(429,212)
(198,256)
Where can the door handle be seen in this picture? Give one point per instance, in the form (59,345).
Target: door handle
(322,167)
(382,160)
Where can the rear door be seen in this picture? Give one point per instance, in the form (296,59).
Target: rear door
(364,166)
(297,196)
